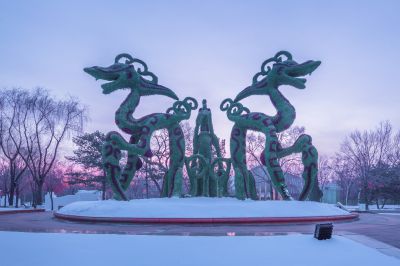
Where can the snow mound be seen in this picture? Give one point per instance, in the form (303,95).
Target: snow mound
(200,208)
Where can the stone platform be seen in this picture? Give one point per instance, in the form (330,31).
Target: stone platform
(203,211)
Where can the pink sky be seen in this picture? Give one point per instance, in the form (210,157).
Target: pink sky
(211,49)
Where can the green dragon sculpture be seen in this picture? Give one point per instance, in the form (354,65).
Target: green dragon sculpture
(140,82)
(204,180)
(267,82)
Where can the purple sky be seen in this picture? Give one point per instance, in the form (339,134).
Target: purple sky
(212,49)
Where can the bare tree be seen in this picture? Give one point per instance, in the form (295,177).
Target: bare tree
(384,184)
(54,182)
(344,175)
(13,113)
(364,150)
(394,156)
(325,170)
(155,168)
(49,122)
(4,181)
(291,164)
(188,133)
(254,148)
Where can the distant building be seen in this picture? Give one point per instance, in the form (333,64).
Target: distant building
(263,183)
(331,193)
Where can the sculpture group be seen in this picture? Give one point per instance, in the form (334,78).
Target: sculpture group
(208,171)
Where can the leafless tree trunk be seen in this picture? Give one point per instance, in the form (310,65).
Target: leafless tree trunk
(325,171)
(344,174)
(52,200)
(254,148)
(49,122)
(4,181)
(17,191)
(103,187)
(13,113)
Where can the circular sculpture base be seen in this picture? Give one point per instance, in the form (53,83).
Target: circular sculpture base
(203,211)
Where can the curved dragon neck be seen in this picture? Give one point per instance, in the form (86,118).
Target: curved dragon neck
(123,116)
(285,110)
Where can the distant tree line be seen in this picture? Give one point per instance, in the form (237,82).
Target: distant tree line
(368,164)
(366,168)
(33,125)
(380,185)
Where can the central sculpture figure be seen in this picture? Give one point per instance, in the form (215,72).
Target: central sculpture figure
(204,180)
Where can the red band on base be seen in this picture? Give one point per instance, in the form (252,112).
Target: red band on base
(237,220)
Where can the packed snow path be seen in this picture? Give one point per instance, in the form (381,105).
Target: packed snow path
(47,249)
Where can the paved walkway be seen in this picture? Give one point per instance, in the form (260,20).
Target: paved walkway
(385,228)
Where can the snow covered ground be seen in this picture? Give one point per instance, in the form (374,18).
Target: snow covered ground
(2,209)
(10,209)
(386,207)
(47,249)
(200,208)
(371,207)
(80,195)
